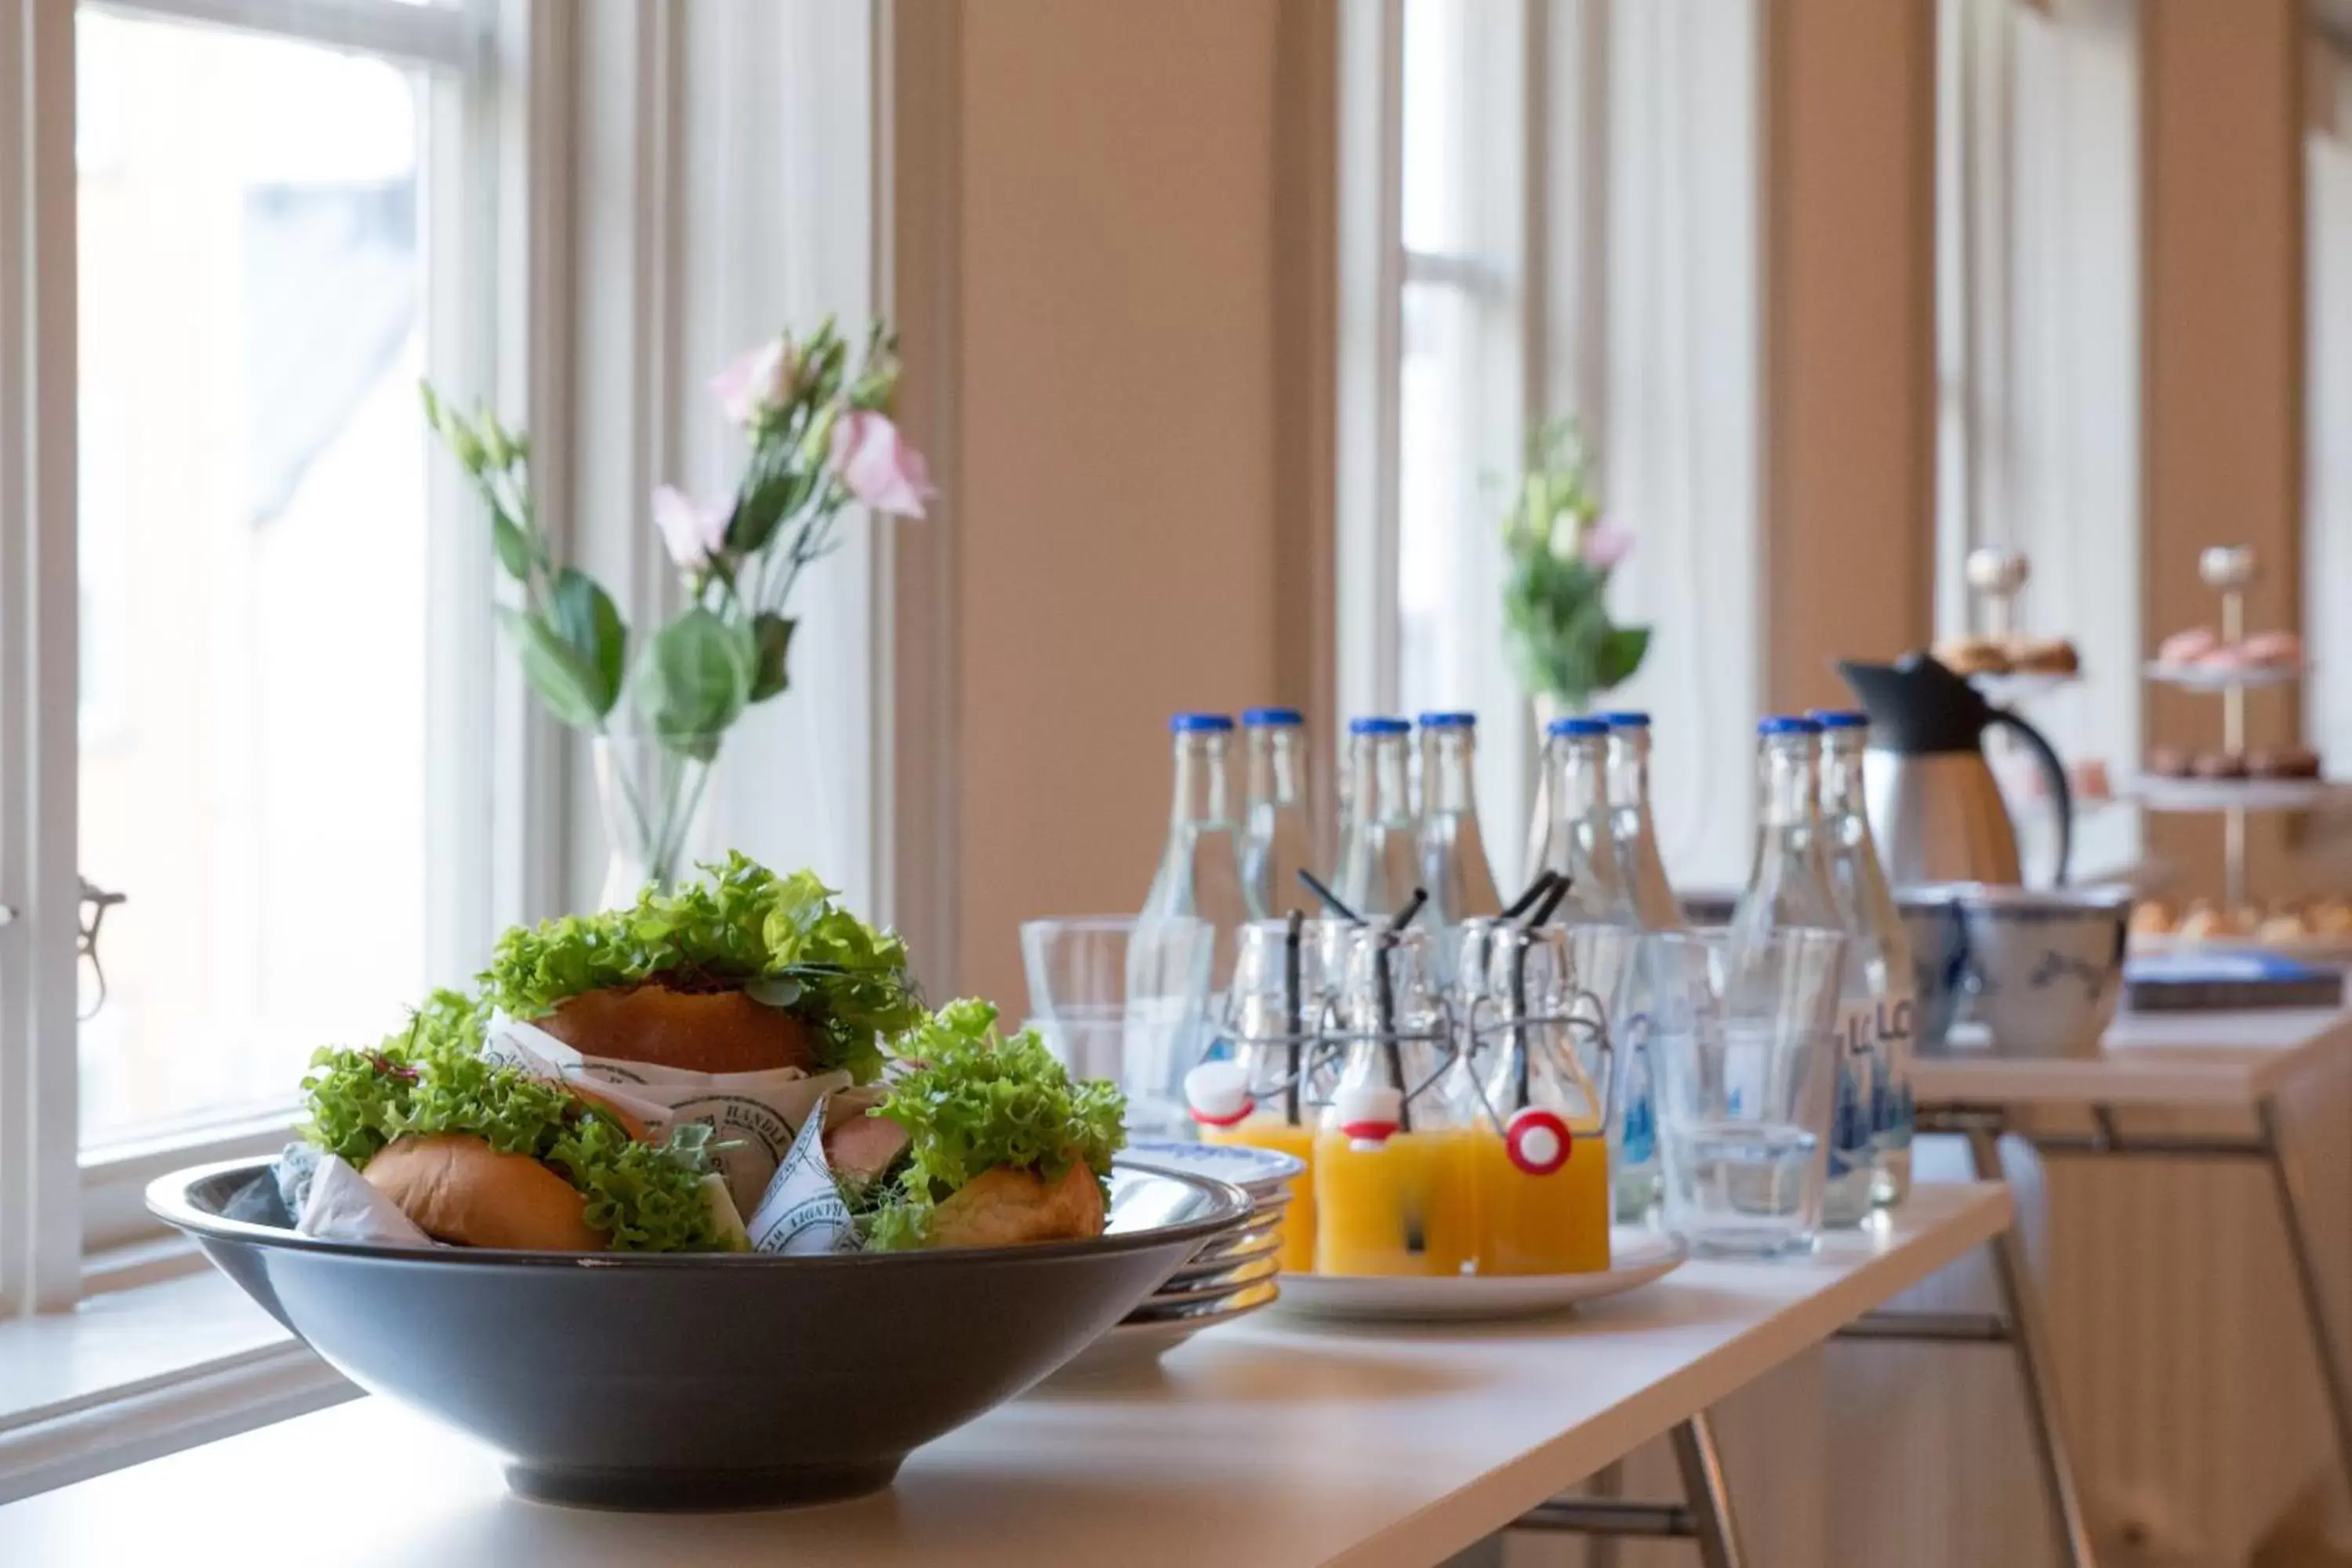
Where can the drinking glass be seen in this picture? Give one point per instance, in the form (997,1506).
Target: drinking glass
(1116,990)
(1742,1038)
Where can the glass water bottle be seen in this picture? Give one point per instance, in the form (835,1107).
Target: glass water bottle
(1638,861)
(1789,886)
(1580,841)
(1876,928)
(1279,812)
(1380,864)
(1453,865)
(1199,871)
(1637,1185)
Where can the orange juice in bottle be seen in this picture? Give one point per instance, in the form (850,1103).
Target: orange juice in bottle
(1394,1190)
(1277,989)
(1542,1161)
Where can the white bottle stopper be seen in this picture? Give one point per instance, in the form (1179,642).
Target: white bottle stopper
(1369,1113)
(1218,1093)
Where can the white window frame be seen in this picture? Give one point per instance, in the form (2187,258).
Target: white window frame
(76,1221)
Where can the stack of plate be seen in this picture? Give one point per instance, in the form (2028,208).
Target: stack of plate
(1231,1276)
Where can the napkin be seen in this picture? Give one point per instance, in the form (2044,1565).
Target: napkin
(341,1207)
(802,1212)
(755,1116)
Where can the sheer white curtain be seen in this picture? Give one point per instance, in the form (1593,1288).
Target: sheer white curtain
(1572,231)
(724,172)
(1679,417)
(777,225)
(2039,356)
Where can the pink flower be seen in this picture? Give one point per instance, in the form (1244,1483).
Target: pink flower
(1605,544)
(755,380)
(692,530)
(880,470)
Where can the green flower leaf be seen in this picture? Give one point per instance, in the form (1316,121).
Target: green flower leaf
(589,623)
(773,635)
(568,681)
(514,551)
(1621,655)
(694,679)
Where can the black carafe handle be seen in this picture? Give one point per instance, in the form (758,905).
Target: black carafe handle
(2055,772)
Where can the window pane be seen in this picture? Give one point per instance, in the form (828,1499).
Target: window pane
(1461,389)
(253,562)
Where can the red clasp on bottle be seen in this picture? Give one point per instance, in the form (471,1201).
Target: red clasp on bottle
(1536,1141)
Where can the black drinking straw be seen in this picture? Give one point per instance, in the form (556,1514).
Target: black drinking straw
(1385,984)
(1536,889)
(1293,1024)
(1535,917)
(1331,898)
(1522,1079)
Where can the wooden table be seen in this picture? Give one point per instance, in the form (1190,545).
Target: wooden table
(2173,1059)
(2234,1061)
(1268,1442)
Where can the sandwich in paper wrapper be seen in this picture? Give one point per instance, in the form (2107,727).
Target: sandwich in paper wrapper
(646,1079)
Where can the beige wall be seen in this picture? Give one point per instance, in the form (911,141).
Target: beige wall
(1849,546)
(1118,477)
(2224,345)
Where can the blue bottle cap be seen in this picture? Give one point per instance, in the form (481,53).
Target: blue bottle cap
(1449,721)
(1378,724)
(1576,725)
(1787,724)
(1259,718)
(1627,719)
(1199,723)
(1839,719)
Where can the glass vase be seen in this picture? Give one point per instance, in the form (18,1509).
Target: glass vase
(651,791)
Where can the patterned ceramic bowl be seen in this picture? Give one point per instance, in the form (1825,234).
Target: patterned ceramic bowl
(1939,953)
(2045,967)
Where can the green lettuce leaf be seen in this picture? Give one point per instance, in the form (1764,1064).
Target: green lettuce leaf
(430,1079)
(970,1102)
(783,938)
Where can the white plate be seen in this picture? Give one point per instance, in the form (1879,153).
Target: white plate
(1199,1291)
(1639,1256)
(2205,678)
(1128,1345)
(1244,1239)
(1261,1172)
(2219,794)
(1261,1244)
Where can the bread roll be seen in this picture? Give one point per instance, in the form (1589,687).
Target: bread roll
(1009,1207)
(456,1188)
(718,1031)
(1972,656)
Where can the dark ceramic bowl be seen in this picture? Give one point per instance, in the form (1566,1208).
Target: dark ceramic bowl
(685,1381)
